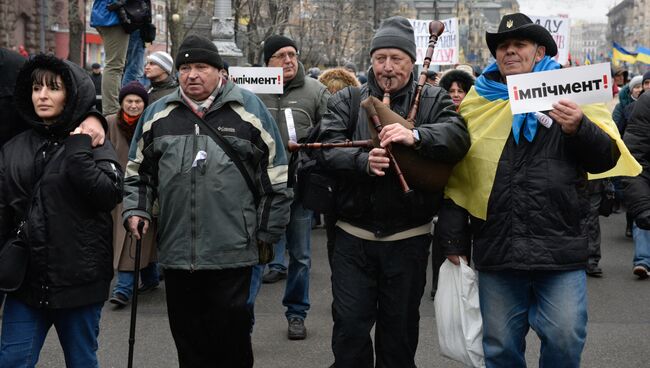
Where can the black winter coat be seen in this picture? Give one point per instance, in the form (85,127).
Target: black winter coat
(68,221)
(377,204)
(637,139)
(537,210)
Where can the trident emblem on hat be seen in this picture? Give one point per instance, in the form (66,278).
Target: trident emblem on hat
(509,23)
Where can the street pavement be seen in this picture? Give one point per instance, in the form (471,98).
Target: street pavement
(618,330)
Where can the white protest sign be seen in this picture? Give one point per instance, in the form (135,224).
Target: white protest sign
(538,91)
(258,79)
(560,28)
(446,51)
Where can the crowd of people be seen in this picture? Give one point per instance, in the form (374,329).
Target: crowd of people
(169,151)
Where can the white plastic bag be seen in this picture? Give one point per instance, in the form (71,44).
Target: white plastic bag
(458,314)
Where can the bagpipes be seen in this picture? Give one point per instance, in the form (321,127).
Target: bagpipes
(409,166)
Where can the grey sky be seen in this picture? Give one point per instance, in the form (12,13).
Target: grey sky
(589,10)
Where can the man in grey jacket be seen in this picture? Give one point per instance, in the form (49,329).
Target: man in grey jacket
(214,212)
(383,236)
(301,106)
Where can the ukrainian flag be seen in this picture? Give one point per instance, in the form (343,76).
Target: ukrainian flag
(486,109)
(643,55)
(588,60)
(620,54)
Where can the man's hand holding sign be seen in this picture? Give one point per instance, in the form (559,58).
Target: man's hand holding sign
(568,114)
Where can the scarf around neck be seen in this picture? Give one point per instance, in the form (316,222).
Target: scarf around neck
(493,90)
(127,124)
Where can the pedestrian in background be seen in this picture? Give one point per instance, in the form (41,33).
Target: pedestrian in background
(121,126)
(335,80)
(300,107)
(457,83)
(116,44)
(160,72)
(96,76)
(637,189)
(51,168)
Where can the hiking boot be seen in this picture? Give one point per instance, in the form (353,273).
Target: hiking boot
(641,271)
(273,277)
(297,330)
(119,299)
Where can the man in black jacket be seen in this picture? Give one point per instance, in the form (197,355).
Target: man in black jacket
(383,236)
(530,244)
(637,189)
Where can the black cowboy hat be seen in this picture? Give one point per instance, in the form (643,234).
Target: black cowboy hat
(519,26)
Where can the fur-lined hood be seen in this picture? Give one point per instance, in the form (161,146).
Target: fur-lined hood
(338,78)
(80,94)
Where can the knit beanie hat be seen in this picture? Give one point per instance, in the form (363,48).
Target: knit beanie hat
(163,60)
(198,49)
(134,88)
(636,81)
(395,33)
(275,43)
(646,76)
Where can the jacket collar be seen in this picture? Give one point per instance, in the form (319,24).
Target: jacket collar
(228,94)
(166,83)
(298,81)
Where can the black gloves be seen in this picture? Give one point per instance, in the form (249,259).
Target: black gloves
(642,220)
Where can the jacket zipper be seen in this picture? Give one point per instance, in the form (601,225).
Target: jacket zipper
(193,200)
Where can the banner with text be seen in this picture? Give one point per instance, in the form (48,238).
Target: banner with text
(538,91)
(560,28)
(258,79)
(446,51)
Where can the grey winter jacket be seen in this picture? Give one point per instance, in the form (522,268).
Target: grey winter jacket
(208,216)
(307,99)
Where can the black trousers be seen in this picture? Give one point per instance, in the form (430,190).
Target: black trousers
(377,283)
(208,317)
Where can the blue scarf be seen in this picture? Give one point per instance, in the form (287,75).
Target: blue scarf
(493,90)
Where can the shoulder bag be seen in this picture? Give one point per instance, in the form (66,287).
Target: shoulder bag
(14,255)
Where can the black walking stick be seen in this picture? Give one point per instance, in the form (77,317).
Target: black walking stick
(136,282)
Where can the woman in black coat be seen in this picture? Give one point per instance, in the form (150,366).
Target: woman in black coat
(63,189)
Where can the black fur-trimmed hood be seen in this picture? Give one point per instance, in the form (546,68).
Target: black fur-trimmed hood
(80,92)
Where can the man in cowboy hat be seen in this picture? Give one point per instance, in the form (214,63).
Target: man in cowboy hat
(524,185)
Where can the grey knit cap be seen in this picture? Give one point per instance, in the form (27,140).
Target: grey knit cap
(395,33)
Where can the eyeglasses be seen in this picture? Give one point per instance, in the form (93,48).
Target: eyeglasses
(292,55)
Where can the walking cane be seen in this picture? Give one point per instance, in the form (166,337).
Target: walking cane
(134,302)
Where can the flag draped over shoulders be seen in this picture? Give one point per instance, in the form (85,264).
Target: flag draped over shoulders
(486,109)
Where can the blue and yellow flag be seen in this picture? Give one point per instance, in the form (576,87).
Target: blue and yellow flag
(486,109)
(620,54)
(643,55)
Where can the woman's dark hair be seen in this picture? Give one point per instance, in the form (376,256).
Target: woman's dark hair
(40,75)
(464,80)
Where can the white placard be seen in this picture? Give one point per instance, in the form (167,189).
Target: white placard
(560,29)
(258,79)
(538,91)
(446,51)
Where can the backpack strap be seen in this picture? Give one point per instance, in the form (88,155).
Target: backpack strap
(230,152)
(355,103)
